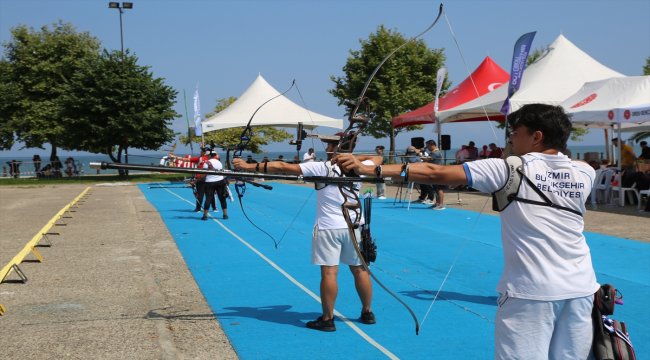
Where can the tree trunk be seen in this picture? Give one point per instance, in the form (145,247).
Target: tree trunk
(55,162)
(117,159)
(122,172)
(391,152)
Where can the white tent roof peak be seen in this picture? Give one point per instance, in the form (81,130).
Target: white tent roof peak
(563,64)
(278,112)
(556,75)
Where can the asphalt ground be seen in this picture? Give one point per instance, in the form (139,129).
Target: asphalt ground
(114,284)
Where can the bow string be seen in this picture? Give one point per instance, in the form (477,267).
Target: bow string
(473,227)
(351,206)
(244,140)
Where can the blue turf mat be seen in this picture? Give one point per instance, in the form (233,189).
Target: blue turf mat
(263,296)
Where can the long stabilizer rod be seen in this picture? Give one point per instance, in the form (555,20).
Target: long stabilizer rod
(235,174)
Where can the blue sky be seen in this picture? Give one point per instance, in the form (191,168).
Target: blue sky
(223,45)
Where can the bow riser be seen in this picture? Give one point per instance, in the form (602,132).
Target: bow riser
(351,201)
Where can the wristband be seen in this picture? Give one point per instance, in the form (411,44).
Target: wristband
(378,171)
(257,167)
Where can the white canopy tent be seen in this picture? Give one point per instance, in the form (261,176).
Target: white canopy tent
(620,103)
(616,102)
(558,74)
(278,112)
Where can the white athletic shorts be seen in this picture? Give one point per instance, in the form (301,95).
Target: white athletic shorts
(541,330)
(333,246)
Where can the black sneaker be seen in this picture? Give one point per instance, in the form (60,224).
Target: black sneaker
(322,325)
(225,217)
(205,217)
(197,209)
(367,318)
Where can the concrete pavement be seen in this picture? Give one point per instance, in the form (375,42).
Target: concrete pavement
(112,286)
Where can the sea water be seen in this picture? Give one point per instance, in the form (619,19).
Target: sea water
(153,158)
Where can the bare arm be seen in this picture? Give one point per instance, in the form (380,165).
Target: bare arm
(272,167)
(423,173)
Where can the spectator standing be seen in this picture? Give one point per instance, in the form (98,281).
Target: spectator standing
(627,155)
(310,155)
(495,151)
(645,151)
(462,155)
(472,151)
(381,187)
(484,153)
(37,164)
(415,155)
(14,168)
(435,157)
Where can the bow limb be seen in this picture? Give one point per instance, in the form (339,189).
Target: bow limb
(244,139)
(352,203)
(346,207)
(374,72)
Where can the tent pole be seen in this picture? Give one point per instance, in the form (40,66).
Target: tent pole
(438,129)
(607,143)
(621,199)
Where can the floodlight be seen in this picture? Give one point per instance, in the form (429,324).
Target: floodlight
(127,5)
(114,5)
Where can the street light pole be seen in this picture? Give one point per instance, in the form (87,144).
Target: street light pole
(125,5)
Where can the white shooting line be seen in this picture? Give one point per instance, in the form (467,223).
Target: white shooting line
(347,321)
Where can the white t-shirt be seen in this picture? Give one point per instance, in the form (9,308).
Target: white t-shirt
(216,165)
(545,252)
(329,199)
(309,157)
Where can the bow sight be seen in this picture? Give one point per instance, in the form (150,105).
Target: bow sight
(301,135)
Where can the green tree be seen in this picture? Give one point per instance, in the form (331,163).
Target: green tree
(646,68)
(405,82)
(8,102)
(117,103)
(37,68)
(230,138)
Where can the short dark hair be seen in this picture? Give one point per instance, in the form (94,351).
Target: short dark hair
(643,143)
(380,147)
(551,120)
(430,142)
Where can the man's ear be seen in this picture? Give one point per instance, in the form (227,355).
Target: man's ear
(538,137)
